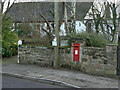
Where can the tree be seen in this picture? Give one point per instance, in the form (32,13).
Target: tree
(6,4)
(70,26)
(105,20)
(50,26)
(9,39)
(49,30)
(113,8)
(65,18)
(25,29)
(73,13)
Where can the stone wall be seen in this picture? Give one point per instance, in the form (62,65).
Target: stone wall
(101,61)
(98,61)
(36,55)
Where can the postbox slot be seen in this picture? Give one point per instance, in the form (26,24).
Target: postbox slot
(76,46)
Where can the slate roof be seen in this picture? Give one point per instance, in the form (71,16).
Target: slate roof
(29,11)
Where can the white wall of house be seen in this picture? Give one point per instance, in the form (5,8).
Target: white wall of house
(80,27)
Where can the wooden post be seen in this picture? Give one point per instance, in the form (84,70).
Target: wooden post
(15,26)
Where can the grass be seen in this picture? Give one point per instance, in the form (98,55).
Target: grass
(12,59)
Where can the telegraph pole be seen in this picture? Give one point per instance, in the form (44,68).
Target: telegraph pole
(56,23)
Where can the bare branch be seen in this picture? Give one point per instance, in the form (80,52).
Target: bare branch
(52,12)
(46,22)
(8,5)
(62,15)
(3,4)
(8,8)
(69,7)
(45,30)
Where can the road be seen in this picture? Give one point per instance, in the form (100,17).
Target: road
(12,82)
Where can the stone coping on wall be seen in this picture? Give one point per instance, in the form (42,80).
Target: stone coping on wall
(112,45)
(93,48)
(34,47)
(46,47)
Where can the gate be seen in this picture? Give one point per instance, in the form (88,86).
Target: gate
(118,60)
(118,57)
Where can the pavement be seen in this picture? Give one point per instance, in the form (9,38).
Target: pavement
(61,77)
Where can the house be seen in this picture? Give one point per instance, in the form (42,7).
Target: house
(29,12)
(80,27)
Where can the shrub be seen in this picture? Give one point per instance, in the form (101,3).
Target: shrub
(14,50)
(24,29)
(91,39)
(6,52)
(9,39)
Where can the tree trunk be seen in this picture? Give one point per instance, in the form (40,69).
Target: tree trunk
(65,19)
(89,28)
(73,13)
(115,31)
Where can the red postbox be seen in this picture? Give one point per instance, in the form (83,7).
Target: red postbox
(76,51)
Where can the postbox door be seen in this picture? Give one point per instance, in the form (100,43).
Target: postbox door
(76,52)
